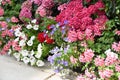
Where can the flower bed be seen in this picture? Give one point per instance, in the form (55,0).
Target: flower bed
(81,35)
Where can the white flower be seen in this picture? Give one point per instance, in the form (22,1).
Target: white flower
(24,52)
(18,33)
(30,43)
(38,54)
(9,51)
(36,27)
(26,60)
(34,21)
(107,51)
(16,39)
(22,43)
(39,47)
(29,26)
(17,55)
(112,54)
(32,60)
(32,38)
(23,36)
(32,53)
(40,63)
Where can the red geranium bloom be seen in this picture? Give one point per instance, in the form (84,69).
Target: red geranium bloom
(41,37)
(48,27)
(49,40)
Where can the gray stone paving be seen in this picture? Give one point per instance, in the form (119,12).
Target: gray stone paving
(10,69)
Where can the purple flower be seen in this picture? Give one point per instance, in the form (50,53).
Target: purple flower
(65,63)
(65,21)
(55,50)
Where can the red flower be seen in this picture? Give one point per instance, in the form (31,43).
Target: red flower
(48,27)
(41,37)
(49,40)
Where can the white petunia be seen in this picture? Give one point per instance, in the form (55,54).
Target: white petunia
(23,36)
(40,63)
(26,60)
(24,52)
(32,60)
(32,53)
(39,47)
(34,21)
(32,38)
(29,26)
(9,51)
(18,33)
(30,43)
(16,39)
(17,56)
(22,43)
(36,27)
(38,54)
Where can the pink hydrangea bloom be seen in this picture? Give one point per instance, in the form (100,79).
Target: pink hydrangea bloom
(1,11)
(80,35)
(99,61)
(27,4)
(111,58)
(14,19)
(106,73)
(48,4)
(73,60)
(41,11)
(25,13)
(38,2)
(62,7)
(116,46)
(86,56)
(72,36)
(3,24)
(117,68)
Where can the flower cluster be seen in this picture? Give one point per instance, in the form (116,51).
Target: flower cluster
(44,8)
(84,25)
(26,10)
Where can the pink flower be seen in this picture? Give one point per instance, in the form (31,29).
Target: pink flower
(106,73)
(41,11)
(6,47)
(1,11)
(17,48)
(117,32)
(3,34)
(80,35)
(3,52)
(3,24)
(72,36)
(110,60)
(38,2)
(62,7)
(86,56)
(27,4)
(25,13)
(73,60)
(47,4)
(116,46)
(14,19)
(99,61)
(81,77)
(117,68)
